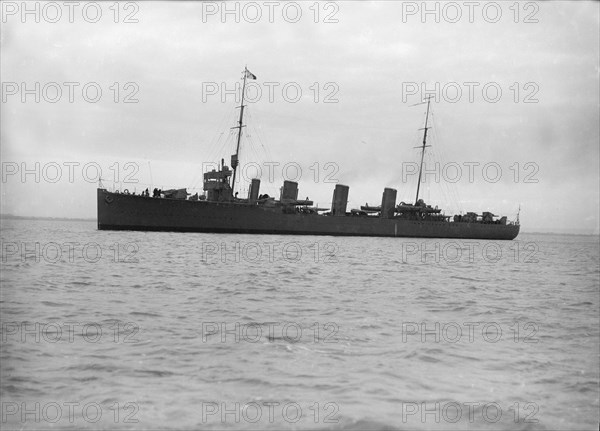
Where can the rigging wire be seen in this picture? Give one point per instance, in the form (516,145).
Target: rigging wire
(433,167)
(449,187)
(218,140)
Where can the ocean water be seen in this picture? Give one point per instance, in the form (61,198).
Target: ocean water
(143,330)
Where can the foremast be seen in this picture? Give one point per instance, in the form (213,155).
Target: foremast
(423,149)
(235,157)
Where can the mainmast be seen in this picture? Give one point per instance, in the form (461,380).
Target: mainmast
(423,148)
(234,157)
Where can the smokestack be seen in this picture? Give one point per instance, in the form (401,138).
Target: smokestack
(290,190)
(388,203)
(340,200)
(253,192)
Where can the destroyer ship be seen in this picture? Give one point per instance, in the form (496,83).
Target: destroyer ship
(219,210)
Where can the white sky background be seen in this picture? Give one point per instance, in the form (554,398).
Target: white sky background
(371,52)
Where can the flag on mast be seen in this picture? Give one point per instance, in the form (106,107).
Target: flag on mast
(250,74)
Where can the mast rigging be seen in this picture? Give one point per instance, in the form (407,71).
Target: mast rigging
(423,149)
(235,157)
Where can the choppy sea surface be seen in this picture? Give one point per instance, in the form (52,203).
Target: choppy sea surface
(144,330)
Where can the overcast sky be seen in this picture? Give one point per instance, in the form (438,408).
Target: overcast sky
(515,102)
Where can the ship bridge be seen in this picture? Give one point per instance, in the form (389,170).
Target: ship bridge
(216,184)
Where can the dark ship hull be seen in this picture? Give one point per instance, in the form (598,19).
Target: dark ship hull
(118,211)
